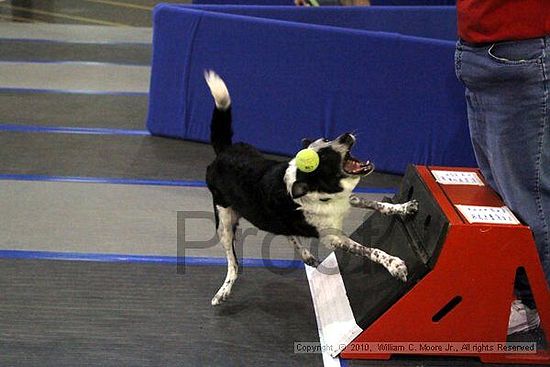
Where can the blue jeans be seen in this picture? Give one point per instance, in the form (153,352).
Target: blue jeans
(507,94)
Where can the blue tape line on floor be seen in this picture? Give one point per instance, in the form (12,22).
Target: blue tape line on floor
(103,180)
(71,130)
(81,63)
(81,42)
(148,259)
(133,181)
(69,91)
(375,190)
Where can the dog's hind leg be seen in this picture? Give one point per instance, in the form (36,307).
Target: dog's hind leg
(228,220)
(307,257)
(408,208)
(394,265)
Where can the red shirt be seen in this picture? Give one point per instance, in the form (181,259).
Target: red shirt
(484,21)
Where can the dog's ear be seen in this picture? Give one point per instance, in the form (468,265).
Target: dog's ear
(306,142)
(299,189)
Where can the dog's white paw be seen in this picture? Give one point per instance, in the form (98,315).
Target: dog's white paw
(309,259)
(397,268)
(220,297)
(354,200)
(313,262)
(410,207)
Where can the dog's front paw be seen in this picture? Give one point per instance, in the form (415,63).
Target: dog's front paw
(354,200)
(312,261)
(397,268)
(410,207)
(309,259)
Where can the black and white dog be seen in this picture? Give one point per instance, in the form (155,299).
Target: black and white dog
(278,198)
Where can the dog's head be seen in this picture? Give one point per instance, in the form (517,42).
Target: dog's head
(338,171)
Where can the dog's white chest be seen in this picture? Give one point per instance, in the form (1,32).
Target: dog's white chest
(326,216)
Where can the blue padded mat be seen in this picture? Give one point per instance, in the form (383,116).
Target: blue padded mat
(291,2)
(437,22)
(294,79)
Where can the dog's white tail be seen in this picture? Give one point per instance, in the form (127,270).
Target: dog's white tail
(218,89)
(221,133)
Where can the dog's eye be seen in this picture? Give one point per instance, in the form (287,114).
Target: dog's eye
(325,140)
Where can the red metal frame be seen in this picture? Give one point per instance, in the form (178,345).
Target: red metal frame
(478,262)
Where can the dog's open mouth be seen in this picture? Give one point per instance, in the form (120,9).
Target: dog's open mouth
(354,166)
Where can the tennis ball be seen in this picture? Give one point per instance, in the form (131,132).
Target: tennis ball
(307,160)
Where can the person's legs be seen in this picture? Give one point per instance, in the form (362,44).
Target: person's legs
(507,93)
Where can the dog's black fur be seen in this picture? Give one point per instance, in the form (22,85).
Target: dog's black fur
(278,198)
(242,178)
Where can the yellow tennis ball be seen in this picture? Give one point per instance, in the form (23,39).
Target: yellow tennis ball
(307,160)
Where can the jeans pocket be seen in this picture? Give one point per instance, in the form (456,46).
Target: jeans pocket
(517,52)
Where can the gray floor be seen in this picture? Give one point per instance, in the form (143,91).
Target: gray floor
(76,76)
(40,51)
(102,156)
(117,156)
(122,13)
(73,110)
(62,313)
(80,33)
(125,219)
